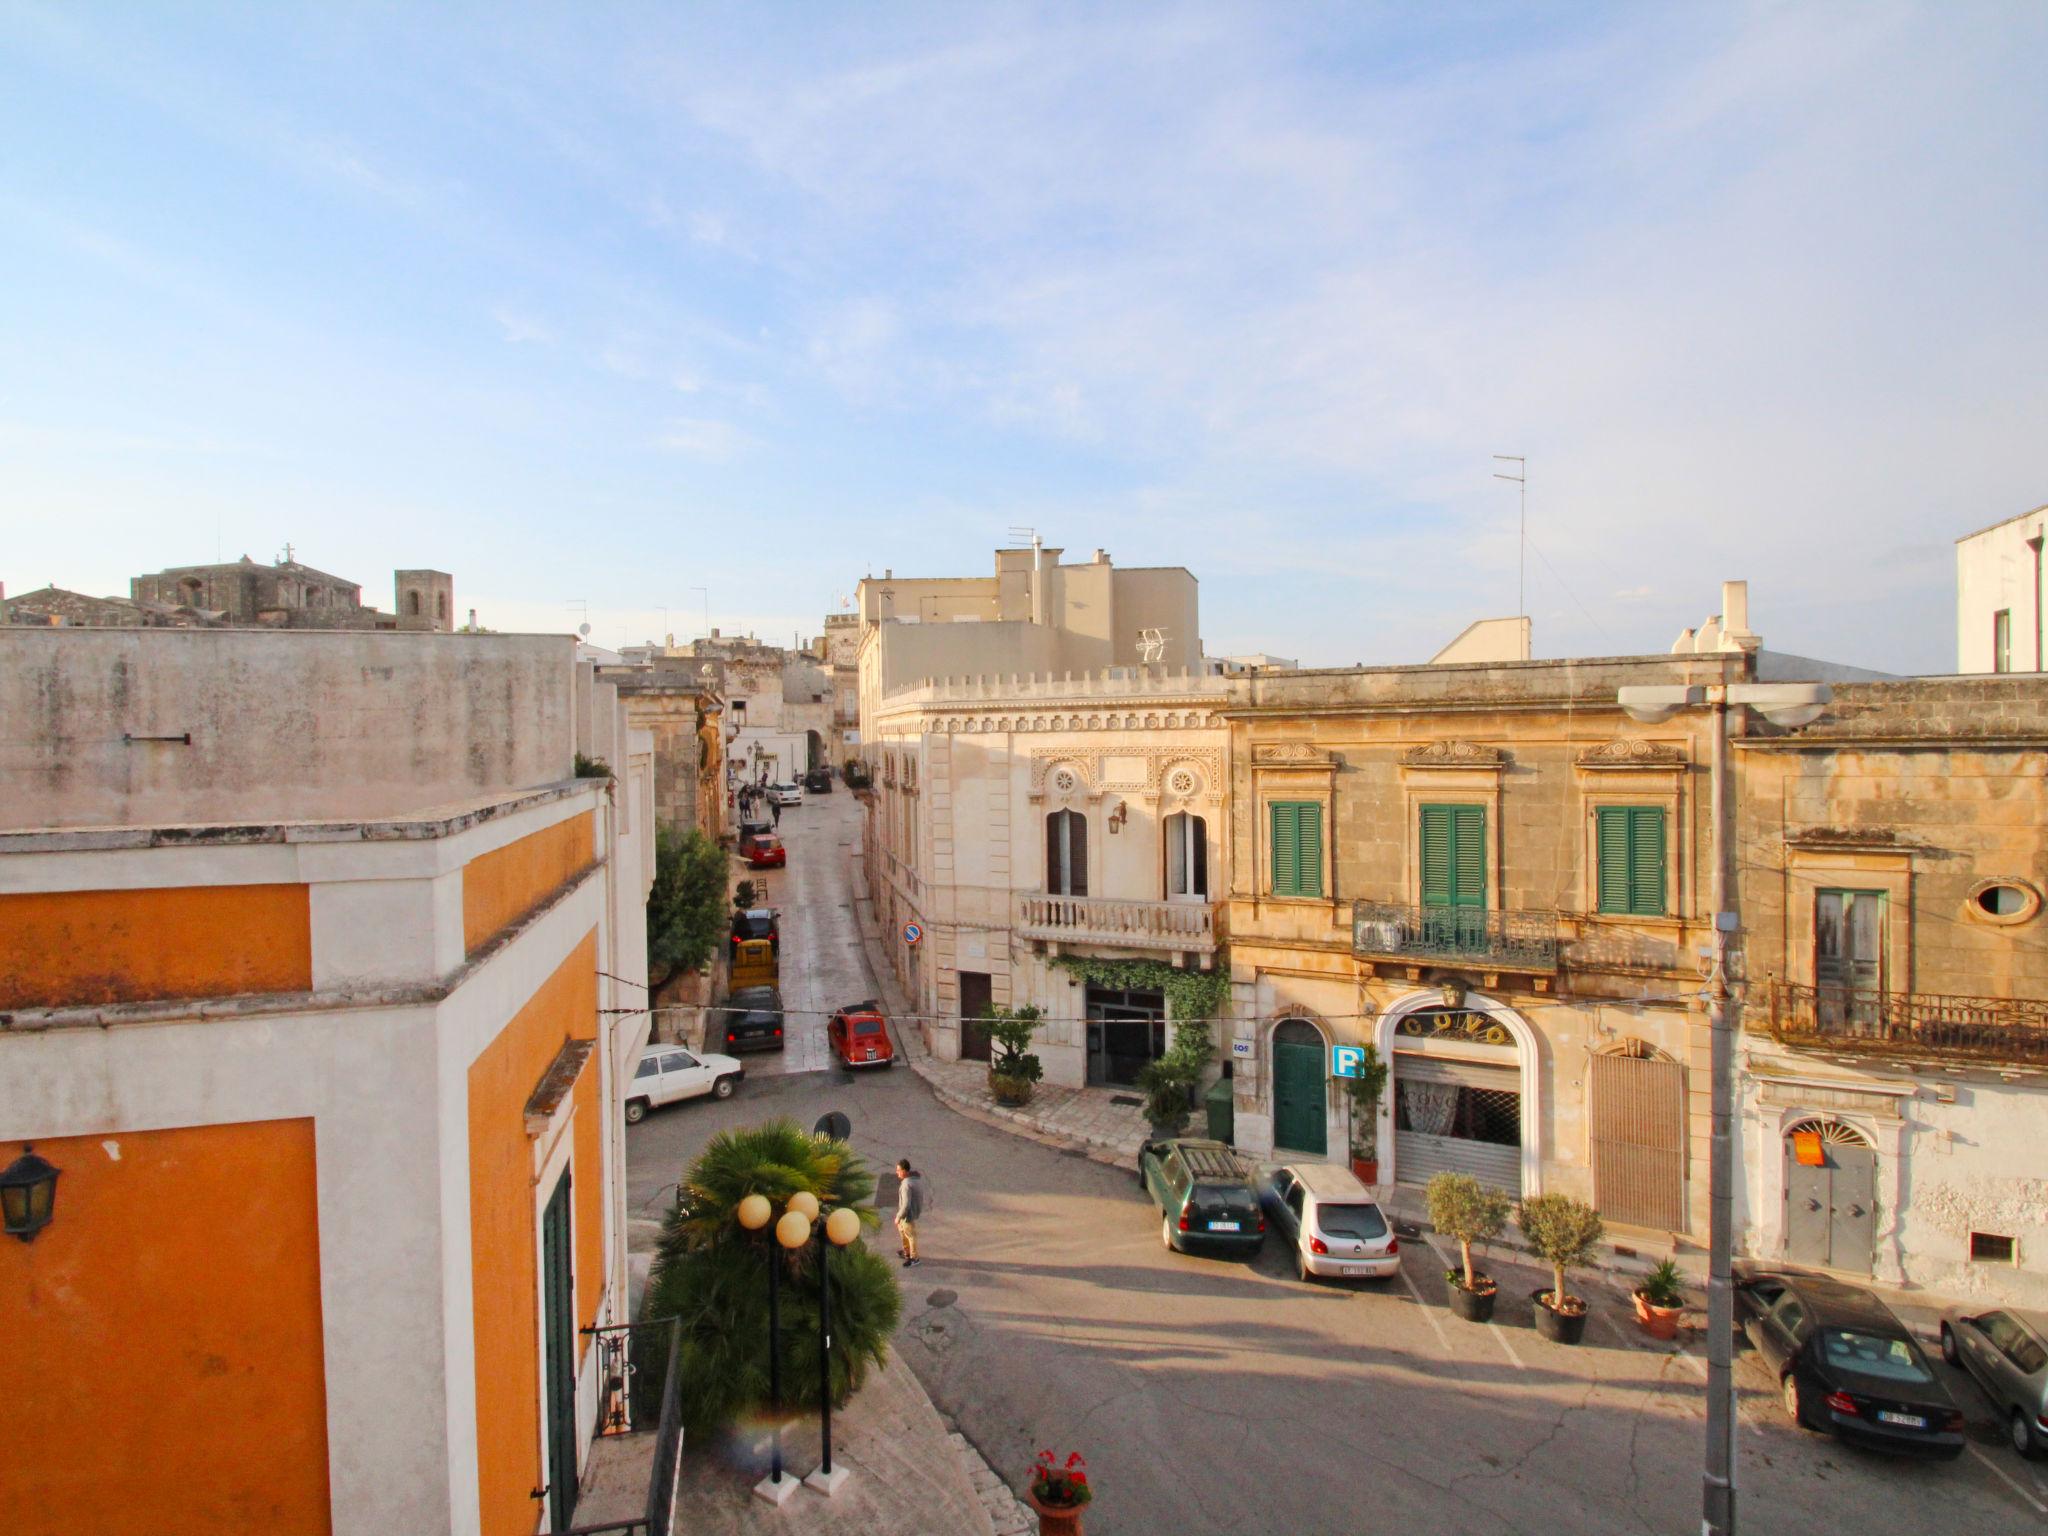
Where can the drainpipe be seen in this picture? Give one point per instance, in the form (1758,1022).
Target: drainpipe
(2040,628)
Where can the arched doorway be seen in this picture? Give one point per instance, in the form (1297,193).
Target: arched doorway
(1830,1195)
(1637,1099)
(1300,1100)
(1457,1096)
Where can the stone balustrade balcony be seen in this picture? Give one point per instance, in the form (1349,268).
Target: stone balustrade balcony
(1177,927)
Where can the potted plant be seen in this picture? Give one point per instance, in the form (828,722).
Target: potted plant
(1165,1088)
(1059,1491)
(1463,1208)
(1564,1231)
(1364,1092)
(1013,1067)
(1660,1301)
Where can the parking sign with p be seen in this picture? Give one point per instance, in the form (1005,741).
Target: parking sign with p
(1345,1060)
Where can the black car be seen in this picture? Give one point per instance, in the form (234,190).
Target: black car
(757,923)
(1846,1365)
(1207,1203)
(750,1020)
(818,782)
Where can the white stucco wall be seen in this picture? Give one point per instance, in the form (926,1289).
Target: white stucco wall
(1996,569)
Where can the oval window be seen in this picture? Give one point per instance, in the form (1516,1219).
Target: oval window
(2003,901)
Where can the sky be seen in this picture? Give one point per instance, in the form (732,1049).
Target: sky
(648,316)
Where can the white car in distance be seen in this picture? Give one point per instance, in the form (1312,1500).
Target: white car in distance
(1331,1222)
(668,1074)
(786,794)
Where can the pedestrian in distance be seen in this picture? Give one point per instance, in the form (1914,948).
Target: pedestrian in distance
(775,810)
(909,1207)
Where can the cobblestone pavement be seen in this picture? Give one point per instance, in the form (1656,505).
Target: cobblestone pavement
(1008,1514)
(1088,1117)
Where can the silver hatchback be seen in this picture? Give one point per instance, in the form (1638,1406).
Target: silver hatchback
(2007,1351)
(1330,1221)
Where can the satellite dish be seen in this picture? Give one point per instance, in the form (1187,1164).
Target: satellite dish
(582,629)
(834,1125)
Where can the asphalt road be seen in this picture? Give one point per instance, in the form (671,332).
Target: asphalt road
(1229,1397)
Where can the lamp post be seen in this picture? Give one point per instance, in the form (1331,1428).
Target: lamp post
(1788,704)
(835,1231)
(790,1232)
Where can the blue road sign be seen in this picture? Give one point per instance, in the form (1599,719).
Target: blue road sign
(912,933)
(1345,1060)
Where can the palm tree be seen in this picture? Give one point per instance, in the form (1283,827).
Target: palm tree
(712,1274)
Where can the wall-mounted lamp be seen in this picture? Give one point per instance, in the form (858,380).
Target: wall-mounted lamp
(28,1195)
(1119,816)
(1453,991)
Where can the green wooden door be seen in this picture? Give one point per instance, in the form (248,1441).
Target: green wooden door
(1299,1119)
(558,1320)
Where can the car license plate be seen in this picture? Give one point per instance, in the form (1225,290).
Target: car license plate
(1909,1420)
(1357,1269)
(1223,1226)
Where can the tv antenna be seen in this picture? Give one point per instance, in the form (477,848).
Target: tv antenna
(1151,645)
(1521,480)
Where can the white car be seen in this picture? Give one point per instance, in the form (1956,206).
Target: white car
(668,1073)
(1330,1221)
(785,794)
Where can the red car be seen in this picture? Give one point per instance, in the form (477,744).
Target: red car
(860,1036)
(763,850)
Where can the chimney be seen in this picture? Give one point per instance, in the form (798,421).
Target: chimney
(1736,634)
(472,618)
(1102,557)
(1038,604)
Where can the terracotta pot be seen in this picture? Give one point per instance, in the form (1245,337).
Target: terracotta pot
(1658,1322)
(1474,1306)
(1367,1169)
(1559,1327)
(1056,1520)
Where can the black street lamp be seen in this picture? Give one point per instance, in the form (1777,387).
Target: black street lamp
(835,1231)
(28,1194)
(791,1232)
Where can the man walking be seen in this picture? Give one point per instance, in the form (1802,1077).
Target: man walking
(909,1206)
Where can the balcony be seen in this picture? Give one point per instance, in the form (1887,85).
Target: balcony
(1500,941)
(629,1480)
(1176,927)
(1992,1031)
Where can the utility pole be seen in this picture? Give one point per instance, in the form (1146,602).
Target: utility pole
(1521,479)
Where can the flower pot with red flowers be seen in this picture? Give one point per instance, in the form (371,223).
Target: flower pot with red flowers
(1564,1231)
(1463,1208)
(1059,1491)
(1660,1301)
(1364,1093)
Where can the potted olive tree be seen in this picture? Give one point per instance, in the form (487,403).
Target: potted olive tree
(1364,1092)
(1461,1207)
(1564,1231)
(1660,1301)
(1013,1067)
(1169,1083)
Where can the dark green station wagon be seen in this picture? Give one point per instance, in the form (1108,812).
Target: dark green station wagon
(1206,1198)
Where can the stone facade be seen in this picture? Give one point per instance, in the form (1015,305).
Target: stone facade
(56,606)
(1925,801)
(684,721)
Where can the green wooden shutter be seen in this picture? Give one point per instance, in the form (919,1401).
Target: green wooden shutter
(1454,856)
(1297,839)
(1631,842)
(1286,849)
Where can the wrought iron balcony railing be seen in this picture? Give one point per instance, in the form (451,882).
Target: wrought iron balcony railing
(1521,941)
(1860,1019)
(640,1390)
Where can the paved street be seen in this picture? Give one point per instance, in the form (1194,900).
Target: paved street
(1228,1397)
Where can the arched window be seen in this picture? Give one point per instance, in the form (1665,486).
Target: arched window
(441,605)
(1066,854)
(412,604)
(1187,857)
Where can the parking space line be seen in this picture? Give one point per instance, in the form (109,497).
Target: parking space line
(1427,1311)
(2010,1481)
(1504,1344)
(1492,1327)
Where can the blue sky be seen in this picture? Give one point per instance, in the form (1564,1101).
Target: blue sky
(604,304)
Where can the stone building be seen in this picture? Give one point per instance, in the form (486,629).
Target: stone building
(1894,861)
(1488,873)
(288,594)
(2001,621)
(57,606)
(684,717)
(320,976)
(1031,820)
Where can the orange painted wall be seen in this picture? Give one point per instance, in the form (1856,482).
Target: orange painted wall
(502,886)
(503,1233)
(162,1371)
(589,1195)
(65,947)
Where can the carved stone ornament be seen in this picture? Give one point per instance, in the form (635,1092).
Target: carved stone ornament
(1632,752)
(1454,754)
(1290,752)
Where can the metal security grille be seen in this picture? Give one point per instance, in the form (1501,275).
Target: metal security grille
(1457,1126)
(1639,1140)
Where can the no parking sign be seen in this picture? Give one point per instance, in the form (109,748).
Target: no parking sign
(913,933)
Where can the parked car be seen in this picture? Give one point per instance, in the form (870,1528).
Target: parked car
(818,782)
(859,1036)
(1206,1200)
(1331,1222)
(763,850)
(751,1020)
(1846,1366)
(2007,1351)
(668,1074)
(758,923)
(785,794)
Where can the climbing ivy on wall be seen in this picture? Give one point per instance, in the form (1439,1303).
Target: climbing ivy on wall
(1191,994)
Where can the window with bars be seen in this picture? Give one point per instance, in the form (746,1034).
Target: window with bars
(1454,856)
(1297,843)
(1630,854)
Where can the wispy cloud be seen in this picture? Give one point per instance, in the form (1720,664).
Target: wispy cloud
(714,442)
(520,328)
